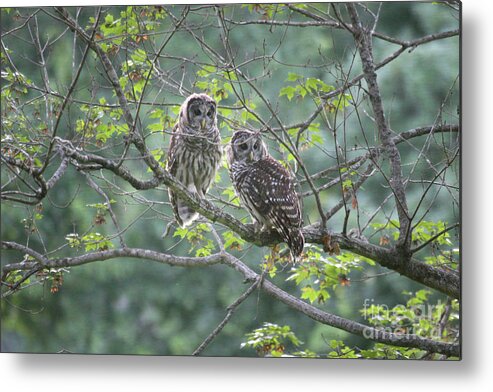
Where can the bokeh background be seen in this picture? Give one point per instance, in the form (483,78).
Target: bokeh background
(139,307)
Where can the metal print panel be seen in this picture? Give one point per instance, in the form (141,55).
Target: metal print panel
(248,180)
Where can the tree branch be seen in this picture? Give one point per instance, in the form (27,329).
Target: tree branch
(227,259)
(442,281)
(230,310)
(363,41)
(342,323)
(106,255)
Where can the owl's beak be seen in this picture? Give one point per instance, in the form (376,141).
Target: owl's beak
(250,155)
(202,123)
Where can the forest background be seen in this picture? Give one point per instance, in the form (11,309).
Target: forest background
(121,306)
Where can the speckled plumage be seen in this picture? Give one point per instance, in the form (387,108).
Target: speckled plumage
(266,188)
(194,153)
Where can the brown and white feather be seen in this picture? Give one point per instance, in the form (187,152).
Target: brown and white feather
(266,188)
(194,153)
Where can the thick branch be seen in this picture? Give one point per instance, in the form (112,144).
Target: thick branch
(324,317)
(106,255)
(342,323)
(445,282)
(202,206)
(363,41)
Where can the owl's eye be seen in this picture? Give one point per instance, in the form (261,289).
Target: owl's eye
(244,146)
(196,112)
(256,146)
(210,113)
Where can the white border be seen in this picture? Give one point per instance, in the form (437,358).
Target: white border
(94,373)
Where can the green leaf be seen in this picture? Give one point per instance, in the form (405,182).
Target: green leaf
(155,127)
(288,91)
(271,339)
(108,19)
(225,112)
(231,240)
(206,70)
(156,113)
(309,293)
(96,242)
(293,77)
(180,232)
(202,85)
(311,84)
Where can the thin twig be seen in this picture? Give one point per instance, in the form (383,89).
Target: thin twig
(230,310)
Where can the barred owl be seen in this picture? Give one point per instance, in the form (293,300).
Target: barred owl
(194,152)
(265,188)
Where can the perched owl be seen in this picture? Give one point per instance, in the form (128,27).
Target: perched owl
(265,188)
(194,152)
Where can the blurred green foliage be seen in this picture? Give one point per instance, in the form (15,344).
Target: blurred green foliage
(129,306)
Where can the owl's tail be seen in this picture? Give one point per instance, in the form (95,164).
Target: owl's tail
(184,215)
(296,242)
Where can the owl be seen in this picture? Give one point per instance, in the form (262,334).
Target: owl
(265,188)
(194,152)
